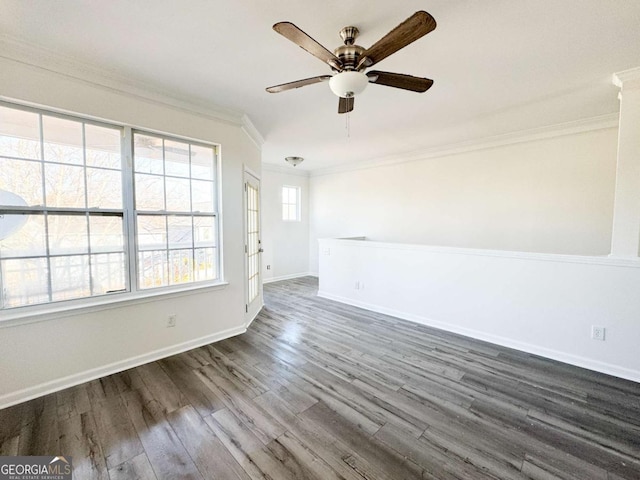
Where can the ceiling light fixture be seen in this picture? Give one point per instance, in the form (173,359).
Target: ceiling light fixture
(295,161)
(348,84)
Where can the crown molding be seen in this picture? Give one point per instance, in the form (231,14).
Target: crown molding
(628,77)
(585,125)
(21,51)
(252,132)
(270,167)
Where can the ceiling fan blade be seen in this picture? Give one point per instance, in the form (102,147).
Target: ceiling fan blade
(298,84)
(413,28)
(399,80)
(304,41)
(345,105)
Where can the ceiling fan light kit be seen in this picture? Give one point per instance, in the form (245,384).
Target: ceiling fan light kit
(348,84)
(349,61)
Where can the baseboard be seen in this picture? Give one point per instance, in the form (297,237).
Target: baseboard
(575,360)
(46,388)
(248,324)
(289,277)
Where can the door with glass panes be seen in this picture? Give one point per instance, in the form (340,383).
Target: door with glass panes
(253,246)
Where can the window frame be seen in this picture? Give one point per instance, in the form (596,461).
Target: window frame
(132,292)
(298,205)
(168,213)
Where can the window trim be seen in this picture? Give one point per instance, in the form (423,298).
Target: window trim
(297,204)
(42,312)
(135,212)
(132,293)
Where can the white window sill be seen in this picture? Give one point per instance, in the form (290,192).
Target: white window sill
(42,313)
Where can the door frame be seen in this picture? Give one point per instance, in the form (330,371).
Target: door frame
(251,311)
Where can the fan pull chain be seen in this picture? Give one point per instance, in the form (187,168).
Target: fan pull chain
(348,124)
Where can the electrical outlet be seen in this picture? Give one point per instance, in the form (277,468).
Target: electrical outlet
(171,321)
(326,251)
(597,333)
(268,267)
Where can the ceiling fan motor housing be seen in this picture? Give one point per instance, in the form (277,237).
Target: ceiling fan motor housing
(349,52)
(349,55)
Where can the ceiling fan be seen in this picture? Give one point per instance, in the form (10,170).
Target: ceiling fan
(349,61)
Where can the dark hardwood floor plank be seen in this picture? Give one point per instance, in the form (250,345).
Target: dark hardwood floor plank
(79,439)
(118,437)
(203,399)
(437,463)
(40,434)
(377,455)
(261,424)
(11,421)
(166,453)
(625,442)
(73,401)
(300,460)
(248,450)
(102,389)
(161,387)
(209,454)
(236,374)
(312,384)
(128,380)
(9,446)
(537,468)
(295,398)
(137,468)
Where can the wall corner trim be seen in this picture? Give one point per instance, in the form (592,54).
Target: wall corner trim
(627,76)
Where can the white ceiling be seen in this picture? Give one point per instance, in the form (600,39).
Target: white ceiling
(499,65)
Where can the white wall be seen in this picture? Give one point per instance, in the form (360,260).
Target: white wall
(540,303)
(66,349)
(553,195)
(286,244)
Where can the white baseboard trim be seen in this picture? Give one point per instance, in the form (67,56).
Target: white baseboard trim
(578,361)
(248,324)
(13,398)
(289,277)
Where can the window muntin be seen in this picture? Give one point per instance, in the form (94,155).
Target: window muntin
(290,204)
(72,209)
(175,209)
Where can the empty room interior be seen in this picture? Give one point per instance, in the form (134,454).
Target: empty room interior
(320,240)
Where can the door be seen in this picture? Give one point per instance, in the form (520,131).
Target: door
(252,246)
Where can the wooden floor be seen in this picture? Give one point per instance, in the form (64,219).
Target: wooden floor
(316,389)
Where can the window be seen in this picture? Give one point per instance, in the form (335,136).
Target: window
(291,204)
(175,202)
(75,222)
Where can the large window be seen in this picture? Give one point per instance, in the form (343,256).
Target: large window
(175,201)
(76,221)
